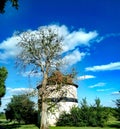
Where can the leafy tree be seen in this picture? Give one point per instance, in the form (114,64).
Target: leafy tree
(21,108)
(75,114)
(3,3)
(3,76)
(99,114)
(41,50)
(117,114)
(84,112)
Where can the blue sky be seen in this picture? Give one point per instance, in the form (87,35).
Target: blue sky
(92,41)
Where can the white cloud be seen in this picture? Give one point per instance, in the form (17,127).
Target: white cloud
(111,66)
(85,77)
(70,41)
(75,38)
(13,91)
(100,84)
(8,47)
(73,58)
(5,100)
(78,38)
(103,90)
(116,93)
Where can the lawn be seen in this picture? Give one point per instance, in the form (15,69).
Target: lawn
(12,125)
(81,128)
(34,127)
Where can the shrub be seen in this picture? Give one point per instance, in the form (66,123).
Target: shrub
(85,115)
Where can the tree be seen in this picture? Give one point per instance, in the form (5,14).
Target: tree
(117,114)
(21,108)
(3,76)
(84,112)
(41,50)
(3,3)
(100,113)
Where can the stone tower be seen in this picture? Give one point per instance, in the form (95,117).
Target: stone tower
(66,103)
(63,99)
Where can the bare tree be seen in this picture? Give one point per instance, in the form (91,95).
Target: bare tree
(41,50)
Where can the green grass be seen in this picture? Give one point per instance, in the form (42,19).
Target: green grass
(81,128)
(12,125)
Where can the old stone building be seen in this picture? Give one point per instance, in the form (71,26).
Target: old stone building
(66,103)
(61,100)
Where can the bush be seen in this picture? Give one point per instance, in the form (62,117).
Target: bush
(64,120)
(86,115)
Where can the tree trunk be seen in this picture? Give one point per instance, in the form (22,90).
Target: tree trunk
(44,124)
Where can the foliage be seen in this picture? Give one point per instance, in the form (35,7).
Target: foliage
(117,113)
(85,115)
(3,76)
(3,4)
(99,113)
(21,108)
(117,102)
(59,78)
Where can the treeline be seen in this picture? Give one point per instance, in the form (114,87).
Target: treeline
(88,115)
(22,109)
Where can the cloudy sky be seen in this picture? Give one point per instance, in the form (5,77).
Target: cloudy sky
(91,31)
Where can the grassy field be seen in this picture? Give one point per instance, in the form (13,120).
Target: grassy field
(12,125)
(81,128)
